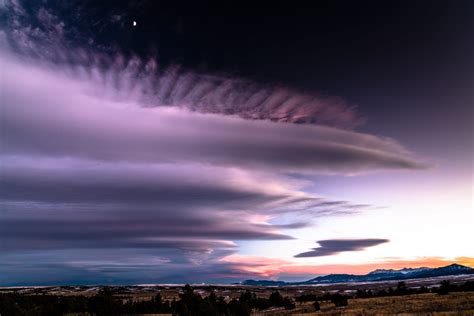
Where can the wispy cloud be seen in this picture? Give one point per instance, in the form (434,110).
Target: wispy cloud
(42,35)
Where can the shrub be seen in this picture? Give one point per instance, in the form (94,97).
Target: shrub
(444,288)
(339,300)
(316,306)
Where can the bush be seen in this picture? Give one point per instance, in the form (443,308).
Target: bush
(401,288)
(288,303)
(444,288)
(339,300)
(306,298)
(276,299)
(316,306)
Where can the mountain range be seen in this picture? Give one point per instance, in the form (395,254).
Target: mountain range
(376,275)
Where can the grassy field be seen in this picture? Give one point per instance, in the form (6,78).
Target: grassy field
(454,303)
(461,303)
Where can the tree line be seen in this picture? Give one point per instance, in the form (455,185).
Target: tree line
(105,303)
(190,303)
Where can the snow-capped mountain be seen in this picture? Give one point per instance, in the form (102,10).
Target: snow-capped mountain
(401,271)
(376,275)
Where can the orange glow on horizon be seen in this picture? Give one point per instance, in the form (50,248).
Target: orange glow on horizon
(271,267)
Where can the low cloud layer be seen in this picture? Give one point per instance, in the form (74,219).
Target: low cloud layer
(331,247)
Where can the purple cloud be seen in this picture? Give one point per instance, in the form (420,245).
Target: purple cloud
(42,35)
(106,158)
(74,122)
(331,247)
(84,171)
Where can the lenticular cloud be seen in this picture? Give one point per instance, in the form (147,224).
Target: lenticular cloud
(65,117)
(152,85)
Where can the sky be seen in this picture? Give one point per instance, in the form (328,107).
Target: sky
(158,142)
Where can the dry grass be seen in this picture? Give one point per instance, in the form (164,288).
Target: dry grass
(461,303)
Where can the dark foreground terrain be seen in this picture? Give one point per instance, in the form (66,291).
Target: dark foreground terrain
(413,297)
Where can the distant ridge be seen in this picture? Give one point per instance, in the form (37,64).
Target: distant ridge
(376,275)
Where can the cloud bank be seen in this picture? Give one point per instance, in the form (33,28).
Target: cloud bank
(106,158)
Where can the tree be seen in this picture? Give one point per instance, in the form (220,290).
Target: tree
(316,306)
(247,296)
(401,288)
(104,303)
(276,299)
(339,300)
(306,298)
(444,287)
(288,303)
(237,308)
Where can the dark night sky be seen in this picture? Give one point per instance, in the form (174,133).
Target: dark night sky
(377,55)
(327,45)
